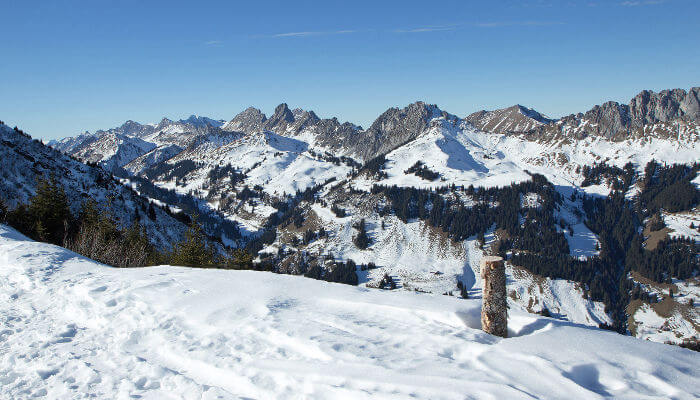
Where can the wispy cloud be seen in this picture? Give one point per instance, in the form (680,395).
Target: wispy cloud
(516,23)
(636,3)
(420,29)
(309,33)
(214,43)
(435,28)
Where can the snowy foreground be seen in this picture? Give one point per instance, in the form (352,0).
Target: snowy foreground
(71,327)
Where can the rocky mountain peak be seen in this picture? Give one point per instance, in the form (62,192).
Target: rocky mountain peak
(200,121)
(514,119)
(534,114)
(250,120)
(129,127)
(304,119)
(612,120)
(281,115)
(164,123)
(667,105)
(395,127)
(412,118)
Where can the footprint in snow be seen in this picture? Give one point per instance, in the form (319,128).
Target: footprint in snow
(46,373)
(99,289)
(68,334)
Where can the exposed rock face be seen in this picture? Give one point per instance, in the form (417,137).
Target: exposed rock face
(303,120)
(397,126)
(251,120)
(608,119)
(649,107)
(515,119)
(691,104)
(494,309)
(669,113)
(281,119)
(617,121)
(392,129)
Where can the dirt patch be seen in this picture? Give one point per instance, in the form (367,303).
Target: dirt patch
(514,295)
(689,314)
(631,309)
(502,234)
(665,308)
(662,288)
(311,221)
(654,237)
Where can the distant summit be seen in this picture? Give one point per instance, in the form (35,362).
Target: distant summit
(515,119)
(665,114)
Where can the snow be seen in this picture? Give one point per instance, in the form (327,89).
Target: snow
(72,327)
(283,163)
(417,257)
(23,161)
(651,326)
(455,155)
(154,157)
(411,253)
(279,164)
(583,242)
(674,319)
(680,224)
(529,293)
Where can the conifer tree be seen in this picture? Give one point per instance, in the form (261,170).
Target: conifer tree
(151,212)
(50,212)
(193,251)
(240,259)
(3,210)
(20,219)
(361,240)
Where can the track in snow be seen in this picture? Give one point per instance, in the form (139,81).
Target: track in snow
(72,327)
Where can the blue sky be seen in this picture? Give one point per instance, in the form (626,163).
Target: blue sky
(70,66)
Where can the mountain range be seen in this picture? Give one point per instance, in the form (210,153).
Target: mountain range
(430,189)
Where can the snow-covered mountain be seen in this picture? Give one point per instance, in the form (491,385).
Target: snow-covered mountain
(254,169)
(116,147)
(24,161)
(668,114)
(73,327)
(517,119)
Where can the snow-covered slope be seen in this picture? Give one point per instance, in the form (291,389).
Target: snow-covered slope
(72,327)
(112,150)
(278,164)
(119,146)
(463,155)
(24,161)
(421,258)
(252,164)
(153,157)
(515,119)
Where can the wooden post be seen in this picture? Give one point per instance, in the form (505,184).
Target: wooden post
(494,310)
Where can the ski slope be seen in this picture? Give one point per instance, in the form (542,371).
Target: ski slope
(74,328)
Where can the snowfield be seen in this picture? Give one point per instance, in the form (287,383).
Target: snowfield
(73,328)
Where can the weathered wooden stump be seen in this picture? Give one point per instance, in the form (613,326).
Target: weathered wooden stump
(494,309)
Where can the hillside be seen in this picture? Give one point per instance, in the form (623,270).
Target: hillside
(73,327)
(299,186)
(24,161)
